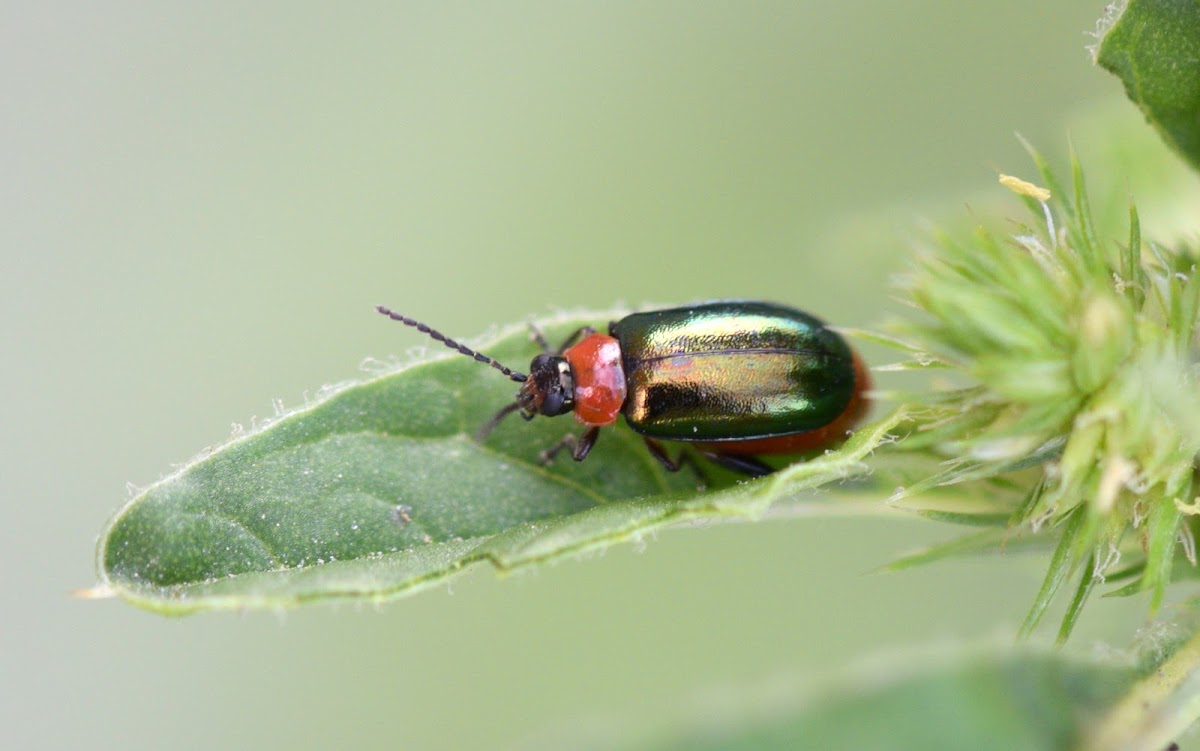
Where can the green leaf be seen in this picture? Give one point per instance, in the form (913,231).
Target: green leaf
(986,542)
(1003,699)
(378,490)
(1154,48)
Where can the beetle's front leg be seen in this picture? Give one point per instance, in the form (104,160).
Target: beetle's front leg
(580,447)
(539,336)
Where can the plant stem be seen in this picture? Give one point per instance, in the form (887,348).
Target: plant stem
(1157,710)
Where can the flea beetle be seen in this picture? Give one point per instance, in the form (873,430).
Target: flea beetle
(734,378)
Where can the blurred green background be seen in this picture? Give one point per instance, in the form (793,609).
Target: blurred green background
(202,202)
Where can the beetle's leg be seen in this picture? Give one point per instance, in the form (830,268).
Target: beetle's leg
(576,336)
(747,465)
(580,447)
(539,336)
(659,452)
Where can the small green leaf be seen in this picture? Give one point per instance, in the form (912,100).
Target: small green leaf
(1065,559)
(1087,583)
(1154,48)
(964,518)
(985,542)
(378,490)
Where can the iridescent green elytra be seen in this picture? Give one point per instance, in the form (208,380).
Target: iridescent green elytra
(732,370)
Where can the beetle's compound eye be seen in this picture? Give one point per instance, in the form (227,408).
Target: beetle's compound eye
(550,389)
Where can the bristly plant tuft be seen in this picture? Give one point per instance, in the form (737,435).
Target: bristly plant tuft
(1082,405)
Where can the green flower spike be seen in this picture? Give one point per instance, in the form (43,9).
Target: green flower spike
(1083,352)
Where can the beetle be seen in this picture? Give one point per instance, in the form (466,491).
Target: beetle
(734,378)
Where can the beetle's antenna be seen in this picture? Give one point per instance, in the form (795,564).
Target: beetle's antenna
(439,336)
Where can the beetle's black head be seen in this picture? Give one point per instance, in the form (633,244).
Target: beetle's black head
(549,389)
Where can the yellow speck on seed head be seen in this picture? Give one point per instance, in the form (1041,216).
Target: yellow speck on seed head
(1020,187)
